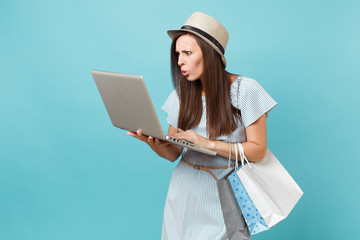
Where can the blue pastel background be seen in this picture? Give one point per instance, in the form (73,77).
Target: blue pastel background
(67,173)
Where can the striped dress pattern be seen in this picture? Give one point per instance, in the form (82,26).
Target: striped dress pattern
(192,209)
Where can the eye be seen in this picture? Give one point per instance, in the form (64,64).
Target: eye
(187,52)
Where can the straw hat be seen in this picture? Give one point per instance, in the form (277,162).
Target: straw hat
(207,28)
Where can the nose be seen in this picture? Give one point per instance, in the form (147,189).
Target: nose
(180,60)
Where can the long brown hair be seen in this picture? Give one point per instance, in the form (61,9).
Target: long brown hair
(221,115)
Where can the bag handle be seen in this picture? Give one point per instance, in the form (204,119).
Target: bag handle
(242,155)
(229,163)
(239,151)
(236,157)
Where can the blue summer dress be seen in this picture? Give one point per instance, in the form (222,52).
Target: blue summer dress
(192,208)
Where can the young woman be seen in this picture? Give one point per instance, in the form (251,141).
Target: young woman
(213,109)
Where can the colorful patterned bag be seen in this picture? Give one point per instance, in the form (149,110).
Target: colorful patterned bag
(253,219)
(265,191)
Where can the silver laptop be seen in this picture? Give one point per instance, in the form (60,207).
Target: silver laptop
(129,106)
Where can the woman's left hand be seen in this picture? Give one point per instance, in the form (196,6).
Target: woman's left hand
(193,137)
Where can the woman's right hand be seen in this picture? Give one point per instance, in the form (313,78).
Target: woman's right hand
(162,148)
(154,143)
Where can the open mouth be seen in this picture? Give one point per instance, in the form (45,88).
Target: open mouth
(185,73)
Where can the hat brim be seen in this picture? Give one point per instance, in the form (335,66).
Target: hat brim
(176,32)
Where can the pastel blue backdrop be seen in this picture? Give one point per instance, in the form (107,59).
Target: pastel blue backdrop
(67,173)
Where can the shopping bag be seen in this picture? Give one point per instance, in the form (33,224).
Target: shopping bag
(272,190)
(234,222)
(254,221)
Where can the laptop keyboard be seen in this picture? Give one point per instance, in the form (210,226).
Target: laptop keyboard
(183,142)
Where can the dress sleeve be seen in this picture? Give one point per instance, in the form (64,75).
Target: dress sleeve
(252,100)
(172,107)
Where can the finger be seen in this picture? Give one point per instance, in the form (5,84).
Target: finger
(131,134)
(150,140)
(157,141)
(178,135)
(135,135)
(180,130)
(183,133)
(140,136)
(182,136)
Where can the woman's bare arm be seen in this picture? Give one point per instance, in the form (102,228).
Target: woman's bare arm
(254,147)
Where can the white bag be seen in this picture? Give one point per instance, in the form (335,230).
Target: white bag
(271,188)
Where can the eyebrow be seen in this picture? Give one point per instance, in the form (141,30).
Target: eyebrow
(182,51)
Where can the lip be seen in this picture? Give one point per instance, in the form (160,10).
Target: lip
(185,73)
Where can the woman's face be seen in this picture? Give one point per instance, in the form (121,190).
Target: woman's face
(190,57)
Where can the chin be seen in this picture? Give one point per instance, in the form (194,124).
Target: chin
(192,79)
